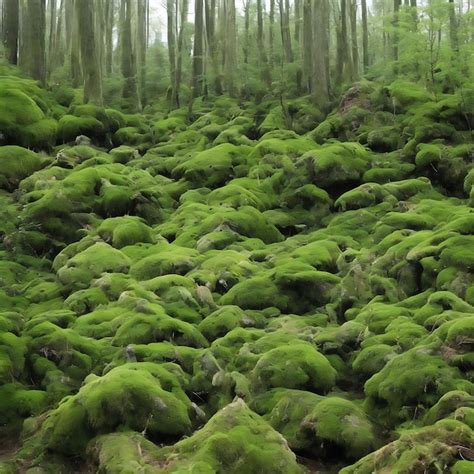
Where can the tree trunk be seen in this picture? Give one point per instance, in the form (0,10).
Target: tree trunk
(212,44)
(320,80)
(141,48)
(365,36)
(73,44)
(266,76)
(170,11)
(285,30)
(35,40)
(271,32)
(355,49)
(395,23)
(298,21)
(128,57)
(11,25)
(308,45)
(453,27)
(198,51)
(109,28)
(230,46)
(52,33)
(179,52)
(90,61)
(342,67)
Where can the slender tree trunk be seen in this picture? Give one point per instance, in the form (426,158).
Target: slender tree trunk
(285,30)
(271,32)
(74,52)
(395,23)
(343,68)
(52,33)
(11,27)
(308,45)
(170,10)
(198,52)
(180,48)
(453,27)
(246,48)
(128,57)
(212,42)
(230,47)
(89,54)
(35,39)
(141,48)
(355,48)
(298,21)
(320,78)
(266,76)
(365,36)
(109,28)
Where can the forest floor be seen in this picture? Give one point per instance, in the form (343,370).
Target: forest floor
(237,290)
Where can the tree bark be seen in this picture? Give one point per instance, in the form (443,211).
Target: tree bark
(320,79)
(365,36)
(355,48)
(84,10)
(11,27)
(35,40)
(453,27)
(198,50)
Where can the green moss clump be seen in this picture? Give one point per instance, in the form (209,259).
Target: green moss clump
(70,127)
(298,366)
(434,447)
(82,268)
(140,396)
(409,380)
(124,231)
(16,163)
(235,440)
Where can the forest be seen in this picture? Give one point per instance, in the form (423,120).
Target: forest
(237,237)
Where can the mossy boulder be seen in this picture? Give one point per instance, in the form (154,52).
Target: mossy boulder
(17,163)
(298,366)
(235,440)
(140,396)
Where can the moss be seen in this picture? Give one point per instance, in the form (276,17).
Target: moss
(340,423)
(435,447)
(12,356)
(18,402)
(336,164)
(135,396)
(99,258)
(413,378)
(384,139)
(16,163)
(235,440)
(172,259)
(123,231)
(70,127)
(308,368)
(223,320)
(447,405)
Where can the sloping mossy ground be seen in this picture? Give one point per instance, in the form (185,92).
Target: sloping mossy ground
(208,293)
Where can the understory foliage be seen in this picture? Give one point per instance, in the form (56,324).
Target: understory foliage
(215,293)
(210,272)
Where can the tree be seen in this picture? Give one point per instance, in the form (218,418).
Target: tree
(230,53)
(355,48)
(320,79)
(198,50)
(266,75)
(128,57)
(34,40)
(453,27)
(365,35)
(84,10)
(11,29)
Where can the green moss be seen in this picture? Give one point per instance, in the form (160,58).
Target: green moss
(135,396)
(414,378)
(235,440)
(70,127)
(384,139)
(308,368)
(123,231)
(339,422)
(435,447)
(16,163)
(99,258)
